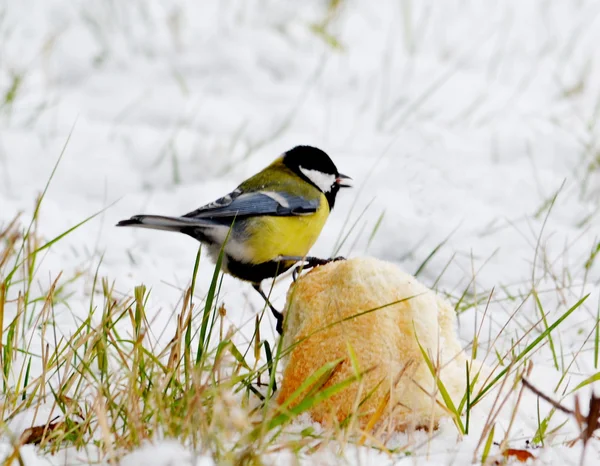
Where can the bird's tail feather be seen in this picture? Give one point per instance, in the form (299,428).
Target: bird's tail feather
(159,222)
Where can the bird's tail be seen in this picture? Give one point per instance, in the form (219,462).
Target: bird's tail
(159,222)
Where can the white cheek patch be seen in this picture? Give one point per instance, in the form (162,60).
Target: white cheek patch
(323,181)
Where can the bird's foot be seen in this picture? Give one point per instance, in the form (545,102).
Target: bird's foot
(312,262)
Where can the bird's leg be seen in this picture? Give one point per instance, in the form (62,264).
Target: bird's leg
(278,315)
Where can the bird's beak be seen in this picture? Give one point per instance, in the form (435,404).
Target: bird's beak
(343,181)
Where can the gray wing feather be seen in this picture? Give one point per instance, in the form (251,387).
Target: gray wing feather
(239,205)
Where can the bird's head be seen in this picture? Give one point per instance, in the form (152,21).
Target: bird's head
(315,166)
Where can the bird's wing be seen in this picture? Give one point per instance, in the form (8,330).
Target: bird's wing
(238,205)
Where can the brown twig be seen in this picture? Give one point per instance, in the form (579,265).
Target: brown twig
(587,424)
(545,397)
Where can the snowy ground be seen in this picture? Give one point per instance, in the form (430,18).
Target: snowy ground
(457,119)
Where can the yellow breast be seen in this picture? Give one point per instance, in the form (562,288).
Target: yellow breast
(270,237)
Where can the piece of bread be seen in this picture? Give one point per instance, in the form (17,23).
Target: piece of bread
(397,388)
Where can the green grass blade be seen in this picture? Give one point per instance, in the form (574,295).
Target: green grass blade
(375,228)
(325,369)
(313,400)
(593,378)
(441,387)
(528,349)
(39,204)
(468,398)
(237,355)
(488,444)
(434,252)
(195,272)
(545,321)
(26,381)
(208,305)
(55,240)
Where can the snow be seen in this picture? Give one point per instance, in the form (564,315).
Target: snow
(165,453)
(27,454)
(459,119)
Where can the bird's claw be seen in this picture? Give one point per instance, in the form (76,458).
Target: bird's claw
(312,262)
(295,272)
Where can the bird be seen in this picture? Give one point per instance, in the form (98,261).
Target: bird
(268,223)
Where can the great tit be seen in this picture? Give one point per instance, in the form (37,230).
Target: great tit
(269,222)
